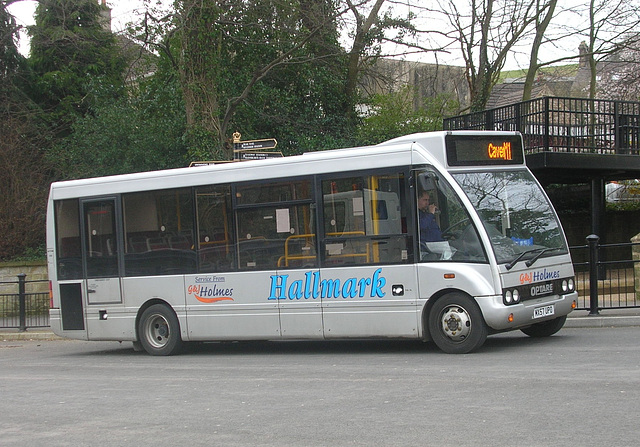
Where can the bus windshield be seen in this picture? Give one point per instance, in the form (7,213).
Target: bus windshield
(515,213)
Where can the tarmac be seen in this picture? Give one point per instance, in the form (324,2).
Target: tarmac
(577,319)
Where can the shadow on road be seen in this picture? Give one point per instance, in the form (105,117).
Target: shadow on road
(506,342)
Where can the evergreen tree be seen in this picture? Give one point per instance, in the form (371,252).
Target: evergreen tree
(70,47)
(10,59)
(23,180)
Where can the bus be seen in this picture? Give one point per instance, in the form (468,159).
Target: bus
(324,245)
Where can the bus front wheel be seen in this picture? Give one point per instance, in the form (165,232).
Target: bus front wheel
(159,330)
(456,324)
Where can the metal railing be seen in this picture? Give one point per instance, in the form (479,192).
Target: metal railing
(27,306)
(606,275)
(553,124)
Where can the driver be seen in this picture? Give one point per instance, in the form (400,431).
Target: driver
(429,229)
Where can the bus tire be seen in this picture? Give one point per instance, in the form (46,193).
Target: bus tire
(159,331)
(456,324)
(546,328)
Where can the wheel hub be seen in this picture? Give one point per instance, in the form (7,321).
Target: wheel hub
(456,323)
(157,329)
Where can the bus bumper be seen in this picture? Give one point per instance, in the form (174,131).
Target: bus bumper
(501,318)
(55,322)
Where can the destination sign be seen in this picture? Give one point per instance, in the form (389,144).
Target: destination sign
(500,152)
(472,150)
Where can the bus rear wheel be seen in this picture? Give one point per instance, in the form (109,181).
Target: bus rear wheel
(159,331)
(456,324)
(545,329)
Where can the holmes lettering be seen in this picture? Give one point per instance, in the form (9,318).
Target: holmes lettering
(312,287)
(545,275)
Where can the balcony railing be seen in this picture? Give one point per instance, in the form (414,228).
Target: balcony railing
(571,125)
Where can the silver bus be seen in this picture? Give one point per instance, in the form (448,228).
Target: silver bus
(324,245)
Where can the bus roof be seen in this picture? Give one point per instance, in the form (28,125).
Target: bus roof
(402,151)
(368,157)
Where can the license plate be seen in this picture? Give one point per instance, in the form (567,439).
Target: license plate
(544,311)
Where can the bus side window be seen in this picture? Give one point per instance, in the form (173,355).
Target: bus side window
(216,239)
(275,225)
(365,220)
(68,243)
(445,228)
(159,232)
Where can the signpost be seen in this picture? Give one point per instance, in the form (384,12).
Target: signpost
(247,150)
(253,149)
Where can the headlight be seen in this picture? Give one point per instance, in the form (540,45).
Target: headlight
(511,296)
(508,297)
(568,285)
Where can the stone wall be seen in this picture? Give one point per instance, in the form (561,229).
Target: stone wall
(426,80)
(35,270)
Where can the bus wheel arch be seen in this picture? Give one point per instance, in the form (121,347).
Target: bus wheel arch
(426,334)
(158,329)
(455,322)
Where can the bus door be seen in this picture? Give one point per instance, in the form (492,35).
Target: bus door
(298,276)
(101,242)
(367,283)
(287,225)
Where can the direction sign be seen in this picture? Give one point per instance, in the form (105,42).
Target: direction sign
(252,145)
(259,155)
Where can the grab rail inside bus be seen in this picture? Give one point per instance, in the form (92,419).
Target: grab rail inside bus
(298,257)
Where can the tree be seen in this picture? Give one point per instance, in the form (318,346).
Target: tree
(620,72)
(69,48)
(23,180)
(23,177)
(610,24)
(273,68)
(606,28)
(393,115)
(273,61)
(141,131)
(10,58)
(486,31)
(545,14)
(361,39)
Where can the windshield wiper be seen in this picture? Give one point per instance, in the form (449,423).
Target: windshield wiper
(533,260)
(510,265)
